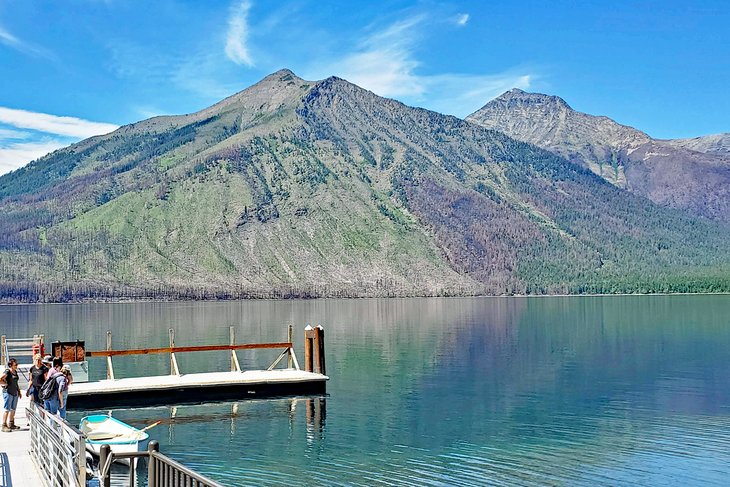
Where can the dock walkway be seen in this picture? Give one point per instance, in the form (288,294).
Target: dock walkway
(16,467)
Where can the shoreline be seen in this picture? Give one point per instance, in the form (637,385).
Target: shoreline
(503,296)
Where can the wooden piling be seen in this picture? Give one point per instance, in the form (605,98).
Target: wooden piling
(319,342)
(309,349)
(290,336)
(235,366)
(109,366)
(174,370)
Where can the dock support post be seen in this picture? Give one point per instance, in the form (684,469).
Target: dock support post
(319,350)
(152,474)
(109,367)
(308,348)
(289,336)
(235,366)
(173,361)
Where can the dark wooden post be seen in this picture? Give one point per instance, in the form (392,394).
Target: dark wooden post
(309,349)
(290,338)
(319,343)
(104,452)
(152,475)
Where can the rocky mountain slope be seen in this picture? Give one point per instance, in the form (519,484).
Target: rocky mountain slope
(690,174)
(300,188)
(709,144)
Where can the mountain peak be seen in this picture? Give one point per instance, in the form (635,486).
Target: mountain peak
(516,96)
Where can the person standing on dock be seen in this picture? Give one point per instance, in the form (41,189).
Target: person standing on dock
(54,402)
(66,372)
(11,393)
(37,377)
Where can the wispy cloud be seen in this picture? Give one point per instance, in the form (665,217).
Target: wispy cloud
(53,124)
(385,62)
(237,35)
(8,39)
(461,19)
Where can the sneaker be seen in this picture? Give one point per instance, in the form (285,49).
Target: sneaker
(6,429)
(14,427)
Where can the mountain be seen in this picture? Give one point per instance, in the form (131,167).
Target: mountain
(689,174)
(718,144)
(300,188)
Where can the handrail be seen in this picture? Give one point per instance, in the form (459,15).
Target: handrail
(57,449)
(162,471)
(198,348)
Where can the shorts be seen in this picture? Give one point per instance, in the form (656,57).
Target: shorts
(10,402)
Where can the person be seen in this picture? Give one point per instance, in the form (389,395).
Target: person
(11,392)
(37,377)
(66,372)
(54,404)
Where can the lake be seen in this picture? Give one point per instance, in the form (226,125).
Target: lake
(459,391)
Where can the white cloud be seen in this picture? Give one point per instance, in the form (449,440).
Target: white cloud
(53,124)
(237,35)
(16,155)
(461,19)
(385,63)
(40,134)
(461,95)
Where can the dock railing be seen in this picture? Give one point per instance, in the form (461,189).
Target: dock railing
(162,471)
(288,352)
(57,449)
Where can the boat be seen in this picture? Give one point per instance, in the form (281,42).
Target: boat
(100,430)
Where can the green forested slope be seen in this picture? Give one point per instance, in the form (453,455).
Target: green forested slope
(294,188)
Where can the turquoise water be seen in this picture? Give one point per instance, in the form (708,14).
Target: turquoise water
(475,391)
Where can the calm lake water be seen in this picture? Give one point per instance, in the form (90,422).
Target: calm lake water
(478,391)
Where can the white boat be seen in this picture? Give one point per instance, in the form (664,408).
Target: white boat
(100,430)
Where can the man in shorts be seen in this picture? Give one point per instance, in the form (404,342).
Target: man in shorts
(11,393)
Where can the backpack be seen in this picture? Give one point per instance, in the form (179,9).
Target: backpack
(49,389)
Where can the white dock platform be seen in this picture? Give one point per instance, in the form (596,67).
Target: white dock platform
(167,389)
(16,467)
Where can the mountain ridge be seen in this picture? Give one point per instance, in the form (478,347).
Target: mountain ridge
(330,190)
(669,173)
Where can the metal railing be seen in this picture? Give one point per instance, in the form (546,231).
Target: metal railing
(57,449)
(162,471)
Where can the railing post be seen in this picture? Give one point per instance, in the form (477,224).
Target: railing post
(109,367)
(3,347)
(104,452)
(289,339)
(173,361)
(152,475)
(308,348)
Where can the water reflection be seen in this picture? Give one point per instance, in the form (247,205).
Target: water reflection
(471,391)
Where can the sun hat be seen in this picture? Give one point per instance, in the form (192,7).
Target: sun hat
(48,360)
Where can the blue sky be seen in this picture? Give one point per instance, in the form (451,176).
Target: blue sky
(76,68)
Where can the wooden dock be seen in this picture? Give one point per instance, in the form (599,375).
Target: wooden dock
(181,388)
(167,389)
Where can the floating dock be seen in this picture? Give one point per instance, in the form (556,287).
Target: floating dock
(173,389)
(181,388)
